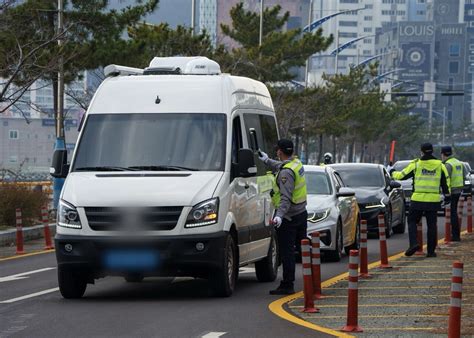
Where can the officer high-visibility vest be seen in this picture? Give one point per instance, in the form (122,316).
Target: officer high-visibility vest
(426,181)
(299,192)
(457,177)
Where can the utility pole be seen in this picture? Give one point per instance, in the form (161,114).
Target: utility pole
(260,36)
(60,137)
(310,19)
(193,15)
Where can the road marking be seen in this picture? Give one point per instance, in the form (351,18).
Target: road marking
(409,273)
(391,296)
(400,328)
(401,305)
(388,280)
(379,316)
(214,334)
(392,287)
(31,295)
(27,255)
(22,275)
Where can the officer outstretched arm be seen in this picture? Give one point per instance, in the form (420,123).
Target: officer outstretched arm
(273,165)
(407,173)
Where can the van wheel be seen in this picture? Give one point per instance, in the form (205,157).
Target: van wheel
(134,278)
(71,284)
(223,280)
(267,269)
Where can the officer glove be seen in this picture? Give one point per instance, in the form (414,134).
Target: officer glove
(262,156)
(277,222)
(447,199)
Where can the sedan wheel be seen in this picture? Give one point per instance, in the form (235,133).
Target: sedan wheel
(335,255)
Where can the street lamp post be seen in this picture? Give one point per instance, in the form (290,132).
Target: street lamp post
(260,35)
(193,16)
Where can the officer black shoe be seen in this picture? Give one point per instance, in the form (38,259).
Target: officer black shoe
(455,239)
(411,250)
(431,254)
(283,289)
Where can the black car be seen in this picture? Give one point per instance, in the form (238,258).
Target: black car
(376,193)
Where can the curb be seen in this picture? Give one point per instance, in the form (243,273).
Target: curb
(277,307)
(7,237)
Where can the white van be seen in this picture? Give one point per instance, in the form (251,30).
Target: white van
(164,180)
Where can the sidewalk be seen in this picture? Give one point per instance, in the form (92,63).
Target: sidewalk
(412,299)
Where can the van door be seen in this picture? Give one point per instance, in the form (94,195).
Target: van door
(239,202)
(261,185)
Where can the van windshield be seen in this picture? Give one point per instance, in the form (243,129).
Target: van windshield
(161,142)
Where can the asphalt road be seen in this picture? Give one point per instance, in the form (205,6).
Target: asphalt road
(155,307)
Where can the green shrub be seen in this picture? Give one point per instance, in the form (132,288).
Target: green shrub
(13,196)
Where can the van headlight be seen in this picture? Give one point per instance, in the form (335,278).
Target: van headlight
(318,216)
(68,216)
(202,214)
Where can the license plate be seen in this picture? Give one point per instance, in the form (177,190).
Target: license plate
(131,260)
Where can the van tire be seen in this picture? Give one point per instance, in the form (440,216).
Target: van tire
(223,279)
(71,284)
(267,268)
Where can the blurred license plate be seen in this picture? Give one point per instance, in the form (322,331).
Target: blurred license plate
(131,259)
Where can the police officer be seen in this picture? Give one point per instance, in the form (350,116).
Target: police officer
(429,174)
(289,199)
(327,159)
(456,174)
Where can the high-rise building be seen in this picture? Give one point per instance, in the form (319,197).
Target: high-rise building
(208,18)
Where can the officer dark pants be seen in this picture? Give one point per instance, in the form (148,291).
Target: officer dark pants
(455,231)
(288,234)
(414,216)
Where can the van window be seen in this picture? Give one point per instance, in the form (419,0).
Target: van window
(252,120)
(269,133)
(162,141)
(236,139)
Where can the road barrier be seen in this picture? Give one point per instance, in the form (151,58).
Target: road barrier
(364,261)
(307,279)
(447,225)
(454,324)
(47,233)
(316,264)
(19,233)
(469,214)
(419,238)
(383,244)
(353,294)
(460,212)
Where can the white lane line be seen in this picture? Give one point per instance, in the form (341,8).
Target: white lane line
(22,275)
(31,295)
(214,334)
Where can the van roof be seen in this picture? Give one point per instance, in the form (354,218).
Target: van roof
(179,94)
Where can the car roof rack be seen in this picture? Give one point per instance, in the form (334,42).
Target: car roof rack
(116,70)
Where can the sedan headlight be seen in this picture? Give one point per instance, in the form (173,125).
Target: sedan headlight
(202,214)
(318,216)
(68,216)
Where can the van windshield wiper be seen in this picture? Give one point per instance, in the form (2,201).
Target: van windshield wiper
(103,168)
(162,168)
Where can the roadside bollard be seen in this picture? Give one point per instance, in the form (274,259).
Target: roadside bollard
(19,233)
(353,294)
(447,225)
(454,325)
(419,238)
(364,264)
(461,212)
(316,264)
(47,233)
(307,280)
(469,214)
(383,244)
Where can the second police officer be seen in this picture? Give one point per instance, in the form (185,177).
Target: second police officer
(289,200)
(429,175)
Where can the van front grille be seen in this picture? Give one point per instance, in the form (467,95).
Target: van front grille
(120,219)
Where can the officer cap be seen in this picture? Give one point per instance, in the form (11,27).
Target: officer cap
(446,150)
(286,146)
(427,148)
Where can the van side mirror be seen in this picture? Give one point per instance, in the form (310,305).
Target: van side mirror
(247,167)
(59,167)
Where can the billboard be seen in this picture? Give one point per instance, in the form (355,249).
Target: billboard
(416,61)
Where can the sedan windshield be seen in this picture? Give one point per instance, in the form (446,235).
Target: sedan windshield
(361,176)
(157,142)
(318,183)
